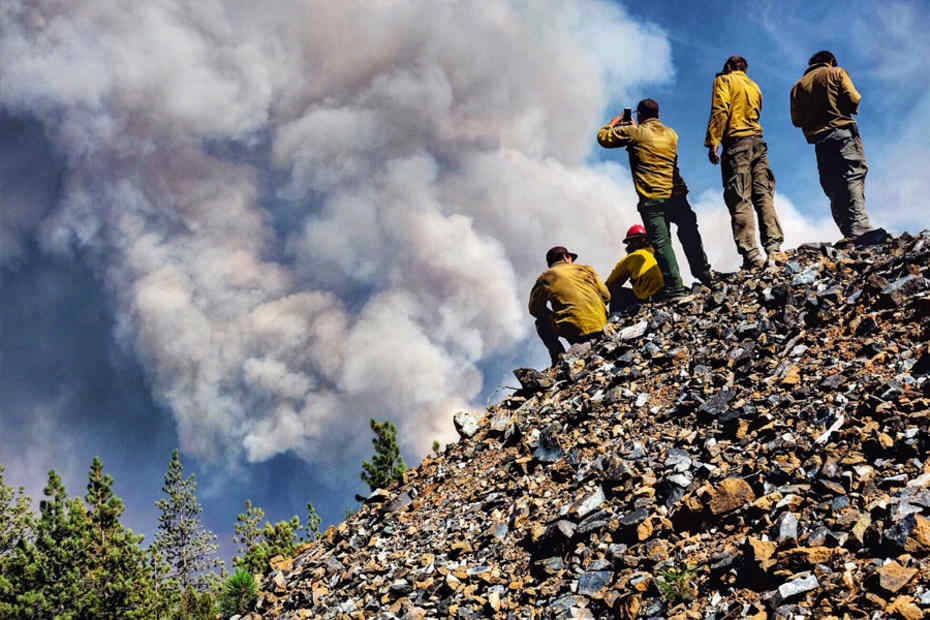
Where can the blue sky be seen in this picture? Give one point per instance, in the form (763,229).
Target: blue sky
(226,231)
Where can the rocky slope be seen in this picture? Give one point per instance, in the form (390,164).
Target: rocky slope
(754,451)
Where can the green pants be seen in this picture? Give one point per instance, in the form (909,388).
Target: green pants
(657,216)
(842,167)
(748,184)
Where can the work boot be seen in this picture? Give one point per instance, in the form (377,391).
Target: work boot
(706,278)
(777,257)
(875,236)
(751,263)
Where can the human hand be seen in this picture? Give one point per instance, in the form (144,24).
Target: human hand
(712,155)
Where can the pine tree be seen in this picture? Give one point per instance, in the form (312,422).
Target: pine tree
(239,593)
(248,538)
(16,522)
(48,569)
(163,590)
(386,463)
(257,544)
(312,529)
(114,568)
(187,547)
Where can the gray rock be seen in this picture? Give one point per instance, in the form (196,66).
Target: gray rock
(466,423)
(902,289)
(788,527)
(398,503)
(633,331)
(794,588)
(592,582)
(589,503)
(547,449)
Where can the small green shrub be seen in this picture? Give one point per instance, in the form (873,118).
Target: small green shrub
(239,592)
(676,583)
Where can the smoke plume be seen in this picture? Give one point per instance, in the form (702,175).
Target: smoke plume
(310,213)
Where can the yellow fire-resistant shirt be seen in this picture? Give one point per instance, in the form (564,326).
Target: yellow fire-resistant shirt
(641,268)
(653,150)
(577,297)
(735,106)
(822,100)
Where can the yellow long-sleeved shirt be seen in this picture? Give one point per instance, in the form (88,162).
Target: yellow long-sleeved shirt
(735,107)
(641,268)
(822,100)
(653,150)
(577,297)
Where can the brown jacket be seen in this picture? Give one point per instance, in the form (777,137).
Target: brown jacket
(822,100)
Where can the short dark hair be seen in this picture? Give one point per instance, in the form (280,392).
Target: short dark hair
(822,56)
(735,63)
(648,108)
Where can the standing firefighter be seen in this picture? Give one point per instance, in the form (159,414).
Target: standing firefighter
(748,183)
(639,266)
(577,298)
(653,150)
(822,104)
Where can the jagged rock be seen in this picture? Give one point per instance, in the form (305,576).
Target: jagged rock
(730,494)
(892,576)
(767,438)
(466,423)
(794,588)
(532,380)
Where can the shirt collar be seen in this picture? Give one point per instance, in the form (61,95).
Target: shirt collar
(819,65)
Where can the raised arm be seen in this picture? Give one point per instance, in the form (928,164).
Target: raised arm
(612,136)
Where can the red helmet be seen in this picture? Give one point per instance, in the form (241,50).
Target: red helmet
(634,232)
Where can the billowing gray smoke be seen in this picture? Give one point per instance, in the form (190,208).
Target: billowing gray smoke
(309,213)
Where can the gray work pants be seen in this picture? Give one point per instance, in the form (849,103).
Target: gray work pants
(842,167)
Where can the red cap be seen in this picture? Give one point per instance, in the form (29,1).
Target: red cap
(635,231)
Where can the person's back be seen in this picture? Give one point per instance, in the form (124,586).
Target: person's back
(577,297)
(653,150)
(736,106)
(748,182)
(823,102)
(823,99)
(641,268)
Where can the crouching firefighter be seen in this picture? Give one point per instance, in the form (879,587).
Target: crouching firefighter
(577,298)
(639,266)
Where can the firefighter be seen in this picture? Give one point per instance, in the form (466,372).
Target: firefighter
(748,182)
(639,266)
(568,301)
(823,102)
(653,150)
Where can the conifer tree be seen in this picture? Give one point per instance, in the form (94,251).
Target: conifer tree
(16,521)
(114,566)
(186,545)
(257,544)
(163,590)
(248,538)
(312,528)
(386,463)
(47,571)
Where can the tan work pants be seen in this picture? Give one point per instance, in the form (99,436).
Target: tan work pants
(748,184)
